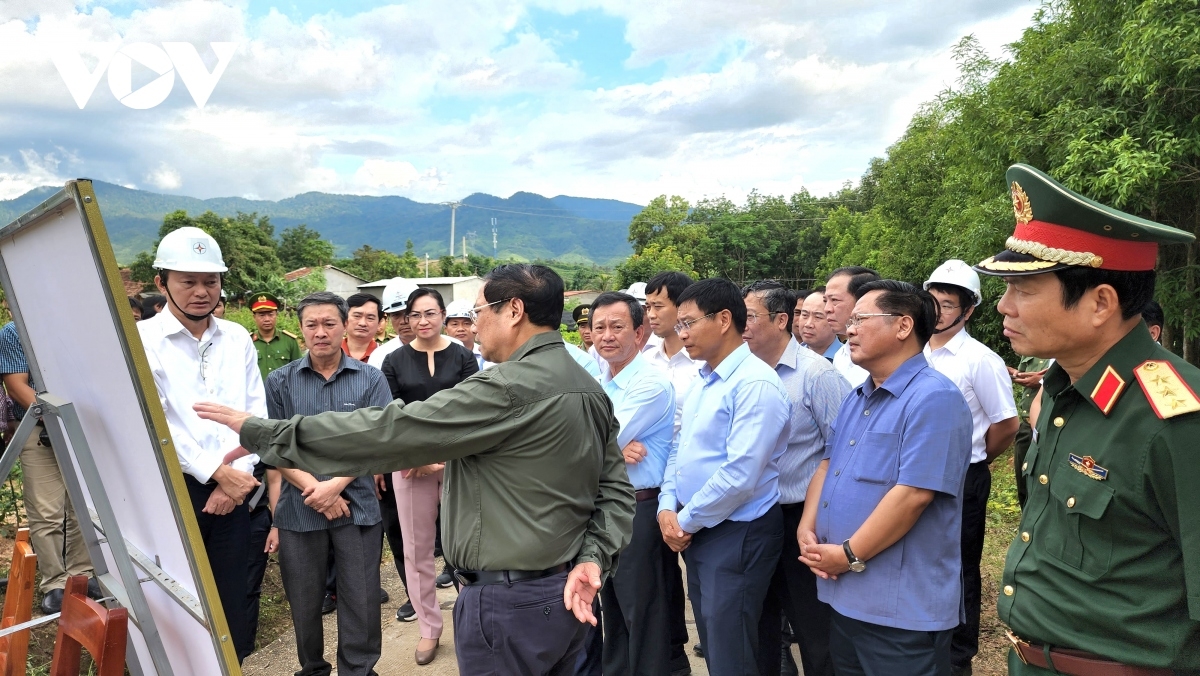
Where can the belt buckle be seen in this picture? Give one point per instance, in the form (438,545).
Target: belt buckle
(1016,643)
(462,580)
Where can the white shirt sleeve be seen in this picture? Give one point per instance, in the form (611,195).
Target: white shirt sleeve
(993,388)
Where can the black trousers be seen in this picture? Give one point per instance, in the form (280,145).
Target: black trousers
(729,568)
(676,608)
(522,628)
(260,528)
(637,635)
(863,649)
(391,529)
(976,488)
(794,591)
(1020,448)
(302,564)
(227,544)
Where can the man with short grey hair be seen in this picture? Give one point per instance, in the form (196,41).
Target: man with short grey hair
(316,513)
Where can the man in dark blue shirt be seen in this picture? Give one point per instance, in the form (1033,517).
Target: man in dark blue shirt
(315,513)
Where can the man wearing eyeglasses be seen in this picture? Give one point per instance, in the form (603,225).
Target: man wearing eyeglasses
(537,501)
(816,391)
(884,510)
(195,357)
(719,503)
(983,379)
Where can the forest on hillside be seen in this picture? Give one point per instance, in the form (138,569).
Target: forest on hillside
(1101,94)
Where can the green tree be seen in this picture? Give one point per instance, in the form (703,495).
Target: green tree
(640,267)
(658,219)
(301,247)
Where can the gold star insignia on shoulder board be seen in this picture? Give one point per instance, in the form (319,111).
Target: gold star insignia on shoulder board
(1166,391)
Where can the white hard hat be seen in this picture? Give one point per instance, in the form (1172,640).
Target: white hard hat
(189,250)
(956,273)
(396,293)
(458,309)
(638,291)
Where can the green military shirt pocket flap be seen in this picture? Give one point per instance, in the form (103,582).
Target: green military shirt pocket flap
(1079,494)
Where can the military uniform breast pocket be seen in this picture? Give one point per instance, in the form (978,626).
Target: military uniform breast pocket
(1080,503)
(877,458)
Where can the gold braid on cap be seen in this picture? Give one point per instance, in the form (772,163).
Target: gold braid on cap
(1046,253)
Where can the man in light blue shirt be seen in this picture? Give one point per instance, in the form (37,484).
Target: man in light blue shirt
(719,500)
(636,627)
(816,391)
(883,515)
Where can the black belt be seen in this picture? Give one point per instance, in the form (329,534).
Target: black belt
(469,578)
(647,494)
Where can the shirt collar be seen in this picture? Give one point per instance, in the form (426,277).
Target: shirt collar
(347,363)
(171,325)
(727,365)
(1135,348)
(535,343)
(954,344)
(900,378)
(621,380)
(792,355)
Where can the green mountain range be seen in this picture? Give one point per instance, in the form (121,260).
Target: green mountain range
(529,226)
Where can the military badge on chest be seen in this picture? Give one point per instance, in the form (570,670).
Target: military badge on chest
(1087,466)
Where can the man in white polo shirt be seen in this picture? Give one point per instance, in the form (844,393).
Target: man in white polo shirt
(982,377)
(196,357)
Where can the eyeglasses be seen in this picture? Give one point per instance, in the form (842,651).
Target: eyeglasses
(857,320)
(475,310)
(202,349)
(946,307)
(752,317)
(431,315)
(686,325)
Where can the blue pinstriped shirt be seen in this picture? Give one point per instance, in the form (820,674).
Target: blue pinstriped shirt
(816,391)
(296,389)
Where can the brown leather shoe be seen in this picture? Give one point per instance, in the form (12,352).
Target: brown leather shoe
(426,656)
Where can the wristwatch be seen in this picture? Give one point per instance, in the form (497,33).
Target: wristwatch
(857,565)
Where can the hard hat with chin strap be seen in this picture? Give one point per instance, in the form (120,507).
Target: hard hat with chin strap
(189,249)
(396,293)
(458,309)
(956,273)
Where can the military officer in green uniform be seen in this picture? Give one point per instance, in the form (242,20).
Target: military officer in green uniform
(1103,576)
(275,347)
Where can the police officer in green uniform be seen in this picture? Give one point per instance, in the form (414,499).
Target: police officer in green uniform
(1103,576)
(275,348)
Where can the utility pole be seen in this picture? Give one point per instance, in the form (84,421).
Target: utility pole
(464,249)
(426,266)
(494,253)
(453,209)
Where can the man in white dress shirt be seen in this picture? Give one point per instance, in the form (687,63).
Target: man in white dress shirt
(840,296)
(670,357)
(196,357)
(982,377)
(395,306)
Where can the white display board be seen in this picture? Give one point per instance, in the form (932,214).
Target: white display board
(64,288)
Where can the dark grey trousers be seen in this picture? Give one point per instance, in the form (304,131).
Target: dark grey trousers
(302,564)
(637,635)
(522,628)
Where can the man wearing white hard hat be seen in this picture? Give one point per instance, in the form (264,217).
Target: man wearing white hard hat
(196,357)
(395,306)
(461,327)
(983,379)
(650,340)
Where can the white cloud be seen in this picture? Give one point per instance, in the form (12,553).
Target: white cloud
(436,100)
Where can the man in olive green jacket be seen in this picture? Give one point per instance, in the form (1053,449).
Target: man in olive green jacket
(535,484)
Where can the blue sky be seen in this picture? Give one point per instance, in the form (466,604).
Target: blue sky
(432,100)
